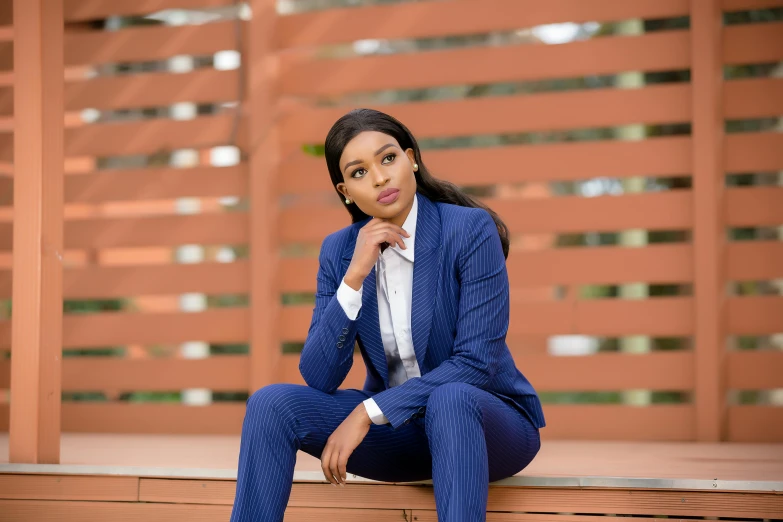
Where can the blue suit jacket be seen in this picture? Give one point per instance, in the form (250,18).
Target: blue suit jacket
(459,316)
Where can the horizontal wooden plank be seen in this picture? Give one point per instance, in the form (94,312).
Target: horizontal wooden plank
(219,373)
(156,183)
(510,114)
(588,422)
(753,43)
(45,511)
(432,516)
(148,43)
(660,316)
(143,90)
(754,152)
(425,19)
(757,315)
(79,10)
(219,325)
(141,137)
(756,424)
(652,211)
(753,98)
(484,65)
(754,260)
(230,228)
(136,418)
(604,265)
(668,156)
(104,282)
(754,206)
(754,370)
(652,371)
(69,487)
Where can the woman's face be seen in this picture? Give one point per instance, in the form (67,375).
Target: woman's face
(372,163)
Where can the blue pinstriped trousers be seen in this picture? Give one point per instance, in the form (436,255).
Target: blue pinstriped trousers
(466,439)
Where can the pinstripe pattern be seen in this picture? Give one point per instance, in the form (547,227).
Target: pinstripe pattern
(471,417)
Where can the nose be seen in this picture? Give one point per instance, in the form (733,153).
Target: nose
(380,178)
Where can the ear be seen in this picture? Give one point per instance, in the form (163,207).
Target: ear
(343,191)
(411,155)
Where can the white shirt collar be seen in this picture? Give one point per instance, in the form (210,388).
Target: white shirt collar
(410,227)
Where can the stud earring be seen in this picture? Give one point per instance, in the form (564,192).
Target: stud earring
(415,167)
(347,201)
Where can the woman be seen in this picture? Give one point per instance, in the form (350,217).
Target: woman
(443,398)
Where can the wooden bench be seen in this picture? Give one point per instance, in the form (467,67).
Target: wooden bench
(733,481)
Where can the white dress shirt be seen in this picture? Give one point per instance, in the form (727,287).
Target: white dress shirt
(394,286)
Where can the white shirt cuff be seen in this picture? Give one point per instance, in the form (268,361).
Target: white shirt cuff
(375,413)
(350,299)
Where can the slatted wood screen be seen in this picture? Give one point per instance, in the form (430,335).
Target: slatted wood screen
(122,224)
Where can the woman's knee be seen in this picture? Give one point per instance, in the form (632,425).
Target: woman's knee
(452,398)
(272,400)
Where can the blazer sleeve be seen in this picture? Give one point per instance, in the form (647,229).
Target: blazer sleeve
(327,355)
(482,325)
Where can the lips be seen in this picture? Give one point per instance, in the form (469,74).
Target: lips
(387,192)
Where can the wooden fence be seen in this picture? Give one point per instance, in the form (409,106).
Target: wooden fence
(299,73)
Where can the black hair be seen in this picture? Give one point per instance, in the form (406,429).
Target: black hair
(360,120)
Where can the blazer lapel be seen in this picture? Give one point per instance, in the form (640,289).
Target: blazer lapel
(426,272)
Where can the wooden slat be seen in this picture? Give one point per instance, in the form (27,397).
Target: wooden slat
(141,137)
(661,316)
(754,152)
(754,206)
(754,370)
(151,418)
(79,10)
(668,156)
(753,98)
(143,90)
(104,282)
(754,260)
(148,43)
(653,211)
(485,65)
(604,265)
(226,325)
(756,424)
(156,183)
(219,373)
(45,511)
(507,114)
(432,516)
(758,315)
(588,422)
(423,19)
(753,43)
(653,371)
(69,487)
(746,5)
(206,229)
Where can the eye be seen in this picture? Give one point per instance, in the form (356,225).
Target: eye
(392,156)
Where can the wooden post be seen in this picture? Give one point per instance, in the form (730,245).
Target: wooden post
(709,225)
(36,342)
(260,60)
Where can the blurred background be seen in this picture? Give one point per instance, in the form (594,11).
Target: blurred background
(633,149)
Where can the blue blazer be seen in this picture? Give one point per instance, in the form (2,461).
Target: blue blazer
(459,316)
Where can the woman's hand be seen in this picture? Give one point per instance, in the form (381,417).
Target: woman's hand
(365,254)
(339,446)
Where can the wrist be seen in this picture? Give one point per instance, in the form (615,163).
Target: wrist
(353,281)
(361,410)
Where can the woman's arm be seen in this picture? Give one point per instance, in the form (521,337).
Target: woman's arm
(482,325)
(327,355)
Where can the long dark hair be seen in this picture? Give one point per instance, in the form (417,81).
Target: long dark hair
(359,120)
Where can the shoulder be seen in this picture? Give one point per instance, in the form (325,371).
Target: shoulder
(336,242)
(458,221)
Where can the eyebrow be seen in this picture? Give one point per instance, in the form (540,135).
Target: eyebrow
(355,162)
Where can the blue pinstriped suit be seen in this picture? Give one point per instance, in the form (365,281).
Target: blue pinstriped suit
(471,417)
